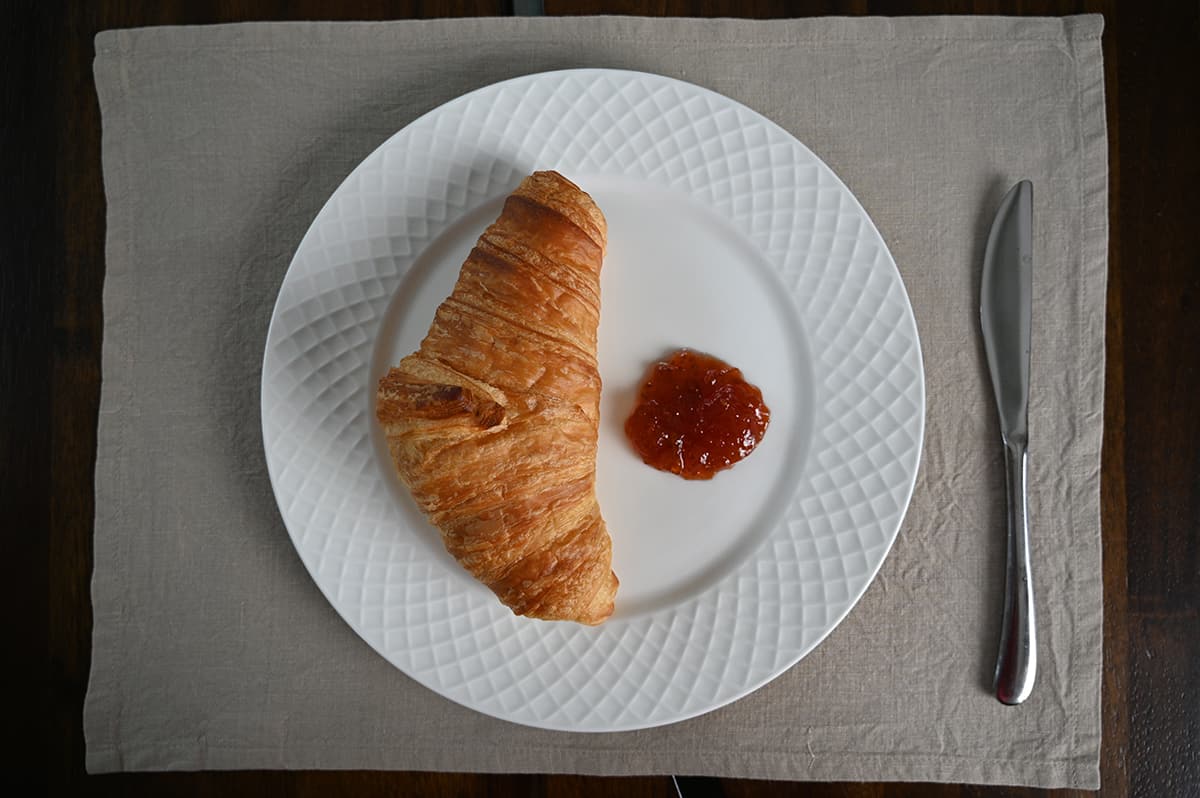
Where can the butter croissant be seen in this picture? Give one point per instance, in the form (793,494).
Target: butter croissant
(493,422)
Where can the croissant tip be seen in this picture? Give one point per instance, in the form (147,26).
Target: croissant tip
(604,611)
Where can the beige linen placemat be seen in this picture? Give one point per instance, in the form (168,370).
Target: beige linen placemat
(213,648)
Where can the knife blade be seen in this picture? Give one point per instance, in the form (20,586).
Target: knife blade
(1005,314)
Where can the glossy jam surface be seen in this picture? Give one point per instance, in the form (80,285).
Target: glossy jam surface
(696,415)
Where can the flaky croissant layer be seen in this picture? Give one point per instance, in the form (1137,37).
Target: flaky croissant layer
(493,422)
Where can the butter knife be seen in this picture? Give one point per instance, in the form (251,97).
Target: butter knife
(1005,311)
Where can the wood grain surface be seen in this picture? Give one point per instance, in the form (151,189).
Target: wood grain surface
(51,321)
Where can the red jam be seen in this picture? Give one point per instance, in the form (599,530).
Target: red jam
(696,416)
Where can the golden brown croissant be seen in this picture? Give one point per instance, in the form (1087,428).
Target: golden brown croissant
(493,422)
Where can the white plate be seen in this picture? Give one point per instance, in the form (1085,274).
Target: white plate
(725,235)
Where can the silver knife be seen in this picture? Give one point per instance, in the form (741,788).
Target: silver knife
(1005,300)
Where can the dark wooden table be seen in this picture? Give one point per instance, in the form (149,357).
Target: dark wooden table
(52,270)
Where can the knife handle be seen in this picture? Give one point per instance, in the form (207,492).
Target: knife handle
(1016,666)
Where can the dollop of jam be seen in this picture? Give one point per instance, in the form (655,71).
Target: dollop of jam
(696,415)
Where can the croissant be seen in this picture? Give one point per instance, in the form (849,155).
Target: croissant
(493,422)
